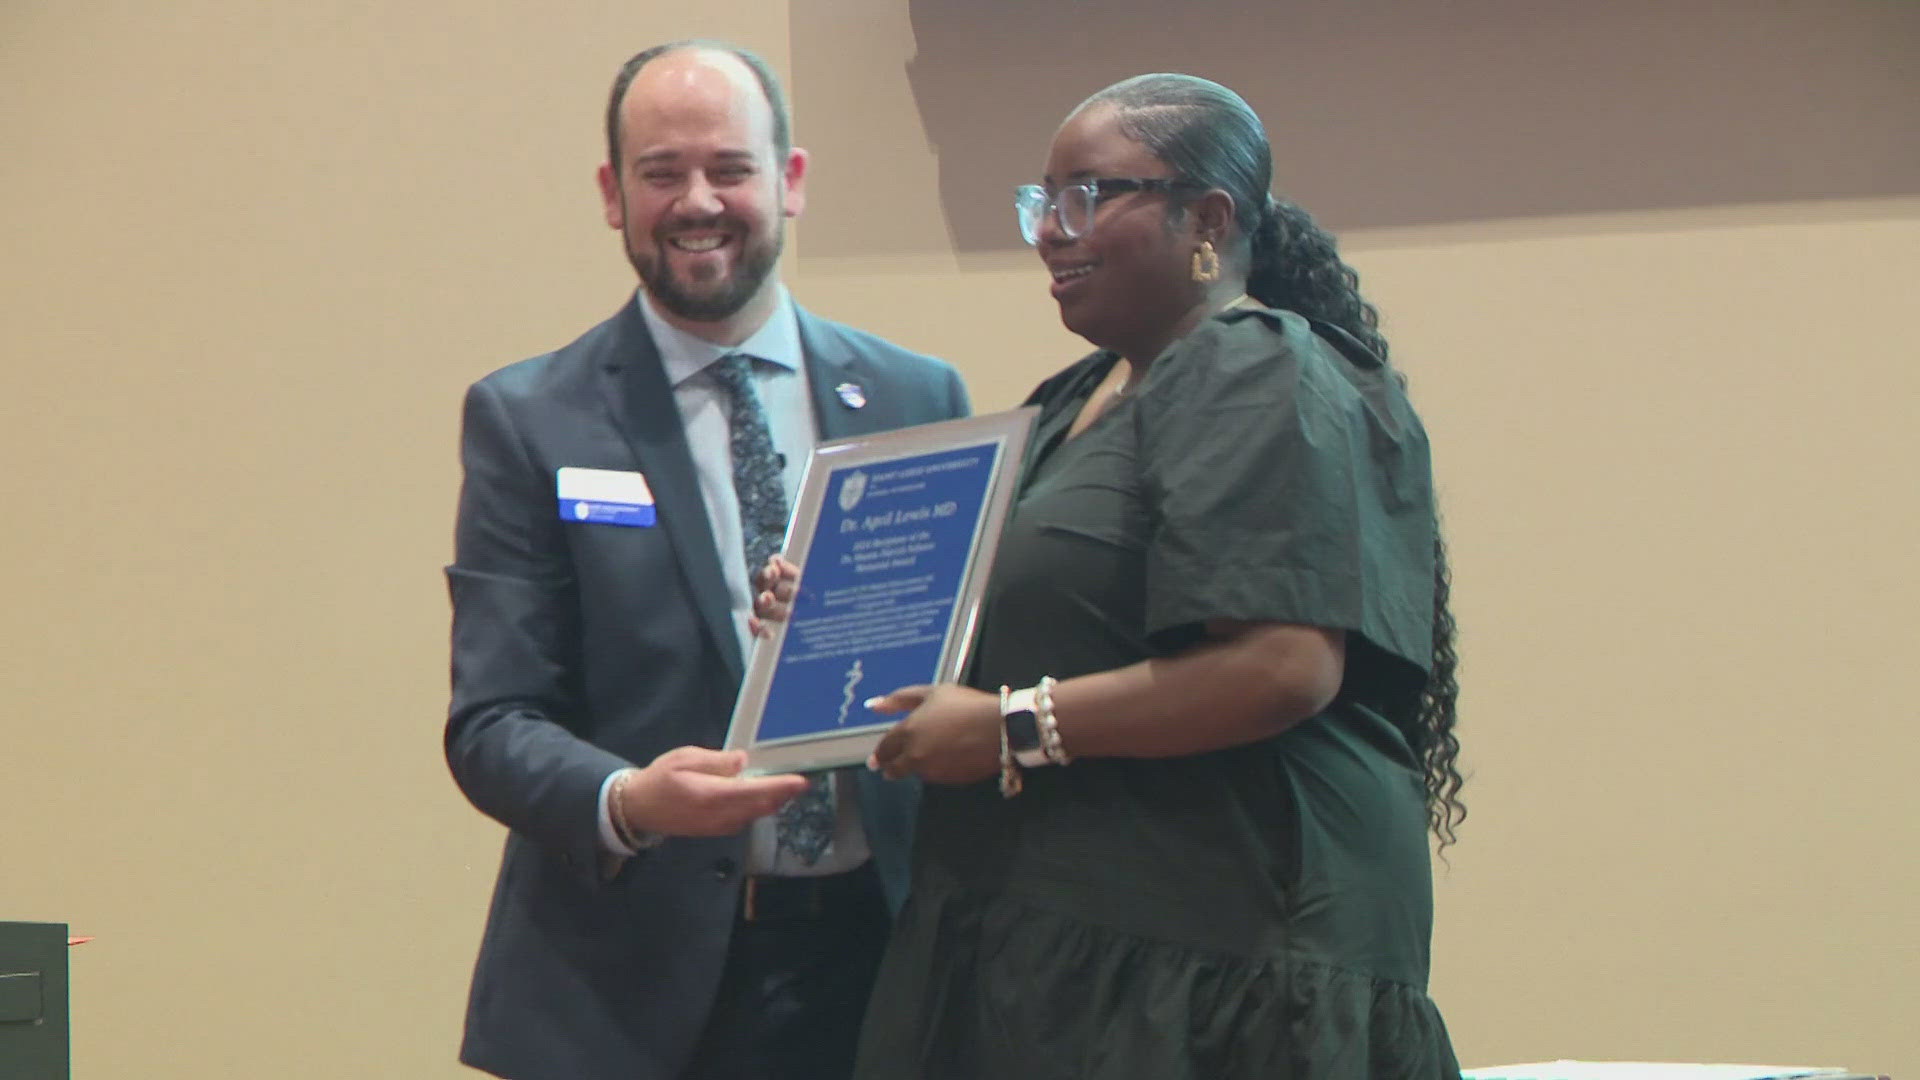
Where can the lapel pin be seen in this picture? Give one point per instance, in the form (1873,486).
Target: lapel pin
(851,395)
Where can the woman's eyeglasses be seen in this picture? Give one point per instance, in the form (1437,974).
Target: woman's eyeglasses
(1073,204)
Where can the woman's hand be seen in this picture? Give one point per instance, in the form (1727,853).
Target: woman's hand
(775,586)
(951,736)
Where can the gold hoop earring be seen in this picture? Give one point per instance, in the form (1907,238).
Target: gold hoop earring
(1206,263)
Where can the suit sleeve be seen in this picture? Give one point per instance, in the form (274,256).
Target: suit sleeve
(512,738)
(959,405)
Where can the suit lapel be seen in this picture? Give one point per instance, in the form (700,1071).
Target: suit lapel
(650,420)
(837,379)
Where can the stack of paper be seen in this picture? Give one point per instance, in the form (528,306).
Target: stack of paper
(1646,1070)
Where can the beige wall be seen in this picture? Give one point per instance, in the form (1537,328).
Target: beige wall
(250,254)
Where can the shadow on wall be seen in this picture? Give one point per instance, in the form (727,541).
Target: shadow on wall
(1394,114)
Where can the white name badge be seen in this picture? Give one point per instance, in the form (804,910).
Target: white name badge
(604,496)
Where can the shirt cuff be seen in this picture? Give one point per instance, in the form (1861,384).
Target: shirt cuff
(609,839)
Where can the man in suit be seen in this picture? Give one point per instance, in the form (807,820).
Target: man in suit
(651,921)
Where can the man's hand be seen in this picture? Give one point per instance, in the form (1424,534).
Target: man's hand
(694,791)
(775,585)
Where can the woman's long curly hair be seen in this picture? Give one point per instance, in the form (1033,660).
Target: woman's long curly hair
(1208,134)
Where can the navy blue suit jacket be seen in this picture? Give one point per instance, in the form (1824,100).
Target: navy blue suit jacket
(580,648)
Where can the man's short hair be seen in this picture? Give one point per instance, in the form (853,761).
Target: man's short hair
(769,85)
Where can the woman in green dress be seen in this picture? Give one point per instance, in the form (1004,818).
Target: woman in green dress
(1176,828)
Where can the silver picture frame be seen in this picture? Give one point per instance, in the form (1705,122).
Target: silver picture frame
(895,535)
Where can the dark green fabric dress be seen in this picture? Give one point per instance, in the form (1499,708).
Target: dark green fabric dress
(1263,911)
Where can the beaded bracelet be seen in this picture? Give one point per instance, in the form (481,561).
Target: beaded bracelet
(1043,717)
(636,841)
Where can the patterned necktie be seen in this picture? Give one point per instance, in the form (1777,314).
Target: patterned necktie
(806,824)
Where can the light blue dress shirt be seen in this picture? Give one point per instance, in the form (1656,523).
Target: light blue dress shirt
(780,377)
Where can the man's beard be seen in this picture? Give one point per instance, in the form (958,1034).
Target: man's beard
(709,301)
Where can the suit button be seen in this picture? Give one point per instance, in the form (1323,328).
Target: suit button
(724,868)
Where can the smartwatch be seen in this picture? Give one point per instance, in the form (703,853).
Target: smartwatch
(1022,722)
